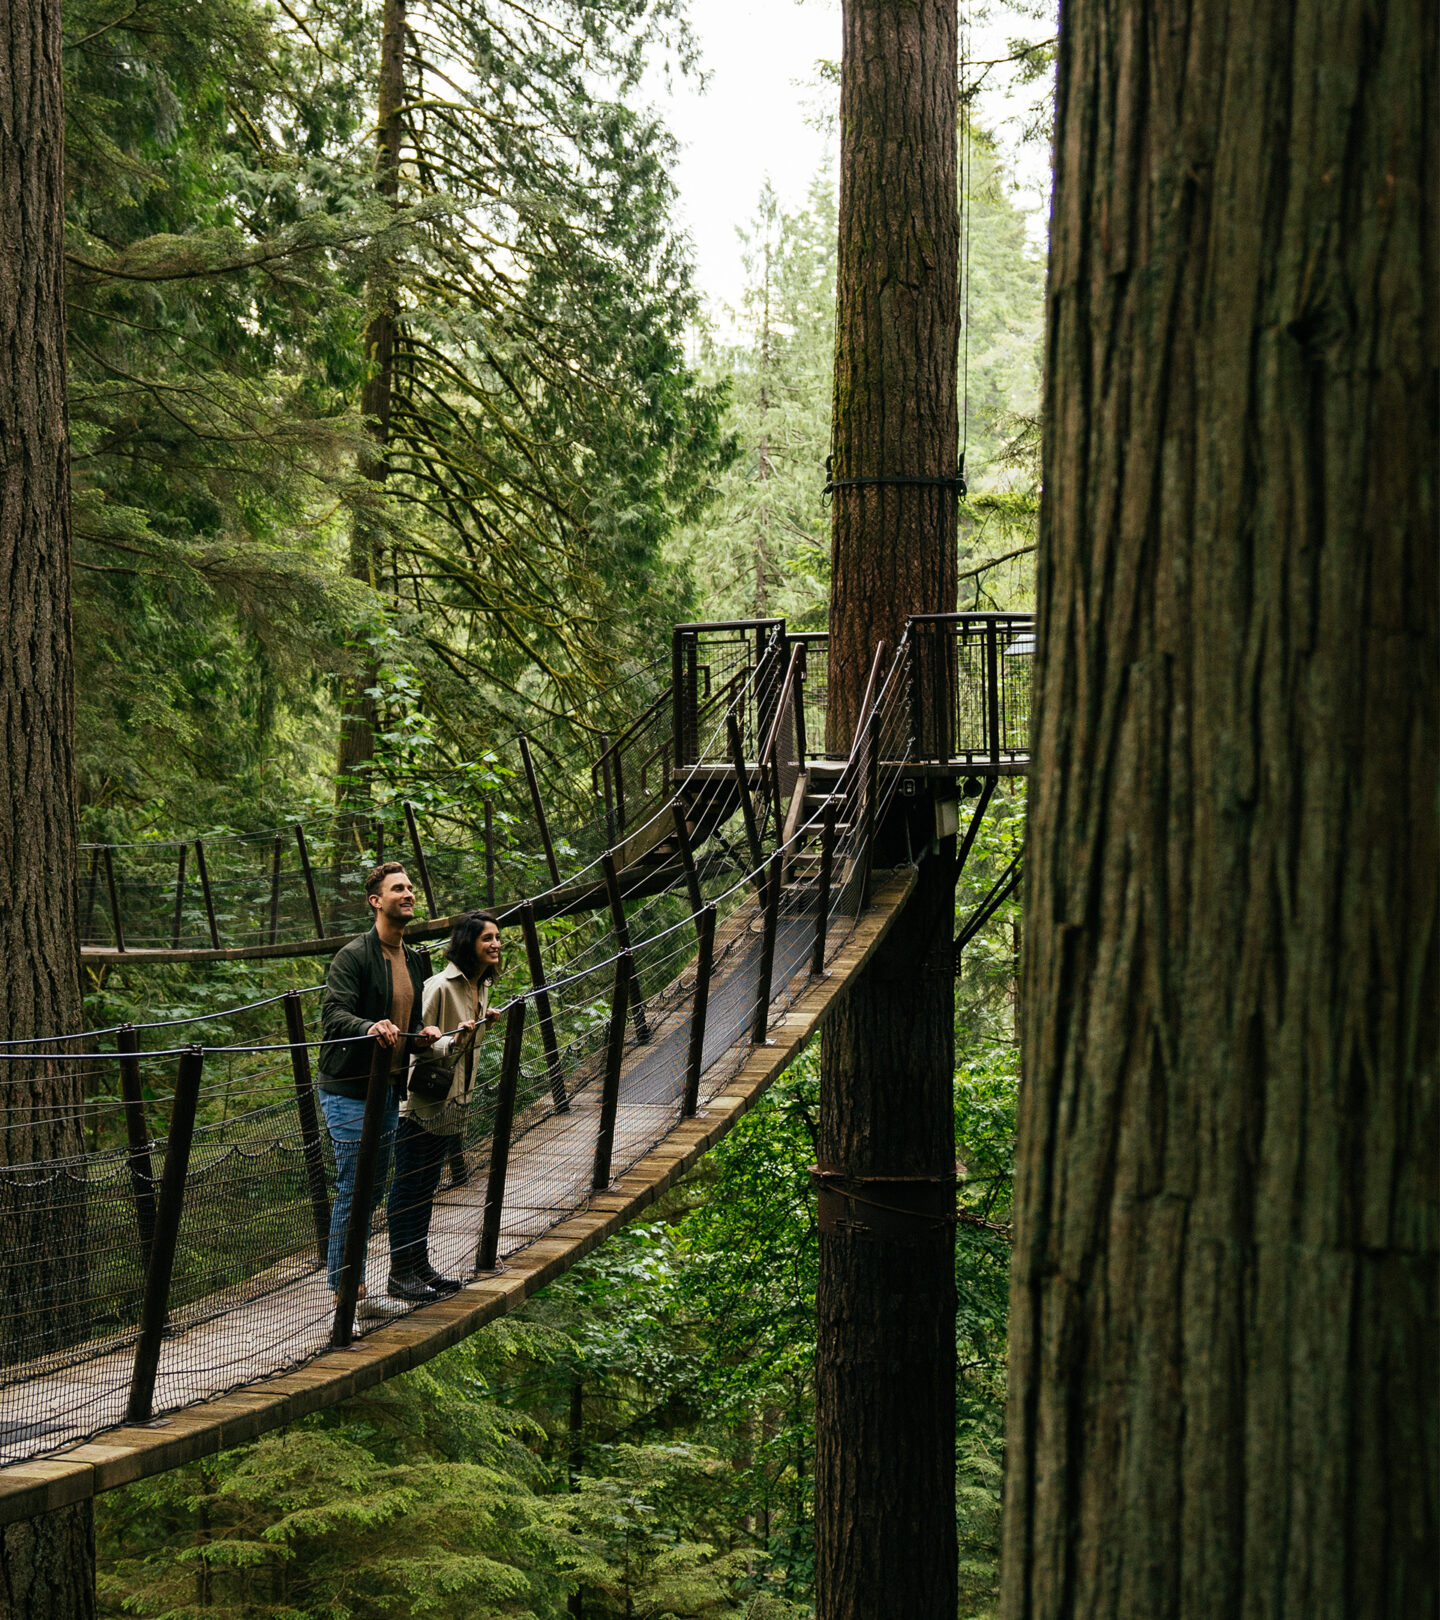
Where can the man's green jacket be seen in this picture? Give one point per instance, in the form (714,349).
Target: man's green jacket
(357,995)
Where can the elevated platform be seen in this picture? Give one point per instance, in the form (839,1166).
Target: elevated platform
(541,1242)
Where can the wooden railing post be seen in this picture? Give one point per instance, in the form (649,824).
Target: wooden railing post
(614,1056)
(209,898)
(542,1008)
(155,1306)
(309,1122)
(305,868)
(742,781)
(426,886)
(142,1175)
(539,806)
(827,865)
(357,1234)
(699,1010)
(622,935)
(115,922)
(489,1249)
(687,857)
(760,1023)
(179,898)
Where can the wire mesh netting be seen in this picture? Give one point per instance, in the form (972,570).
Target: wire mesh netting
(151,1266)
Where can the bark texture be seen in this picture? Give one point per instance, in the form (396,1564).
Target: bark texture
(1223,1337)
(897,324)
(39,961)
(885,1375)
(46,1564)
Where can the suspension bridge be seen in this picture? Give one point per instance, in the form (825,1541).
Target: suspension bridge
(167,1294)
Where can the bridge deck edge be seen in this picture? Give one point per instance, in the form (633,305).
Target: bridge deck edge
(130,1453)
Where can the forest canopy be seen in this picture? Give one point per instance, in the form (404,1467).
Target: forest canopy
(395,406)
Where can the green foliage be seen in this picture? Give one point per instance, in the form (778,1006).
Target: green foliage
(763,545)
(227,248)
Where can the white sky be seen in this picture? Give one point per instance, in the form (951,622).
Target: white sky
(750,122)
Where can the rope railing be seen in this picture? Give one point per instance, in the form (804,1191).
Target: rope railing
(196,1249)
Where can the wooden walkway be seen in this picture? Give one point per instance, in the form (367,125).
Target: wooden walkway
(551,1220)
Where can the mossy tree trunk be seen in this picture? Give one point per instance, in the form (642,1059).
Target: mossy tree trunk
(885,1375)
(1223,1348)
(46,1564)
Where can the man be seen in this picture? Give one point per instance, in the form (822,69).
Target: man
(373,988)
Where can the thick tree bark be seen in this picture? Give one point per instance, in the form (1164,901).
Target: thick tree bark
(358,713)
(885,1375)
(1223,1345)
(47,1564)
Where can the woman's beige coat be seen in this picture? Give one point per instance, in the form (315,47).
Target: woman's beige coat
(449,1000)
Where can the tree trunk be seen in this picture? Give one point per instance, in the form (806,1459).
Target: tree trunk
(47,1564)
(1223,1348)
(358,713)
(885,1372)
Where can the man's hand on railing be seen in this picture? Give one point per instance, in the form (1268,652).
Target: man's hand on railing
(426,1038)
(385,1032)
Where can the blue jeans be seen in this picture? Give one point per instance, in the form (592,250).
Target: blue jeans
(419,1159)
(343,1118)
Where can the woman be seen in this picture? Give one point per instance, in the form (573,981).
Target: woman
(432,1116)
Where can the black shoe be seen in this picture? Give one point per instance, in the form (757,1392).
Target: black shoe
(407,1285)
(441,1285)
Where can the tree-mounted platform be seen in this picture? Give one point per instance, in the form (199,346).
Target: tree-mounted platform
(740,732)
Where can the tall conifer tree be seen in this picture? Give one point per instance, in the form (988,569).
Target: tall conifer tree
(46,1564)
(1222,1361)
(885,1374)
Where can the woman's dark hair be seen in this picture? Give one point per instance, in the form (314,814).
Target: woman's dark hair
(465,930)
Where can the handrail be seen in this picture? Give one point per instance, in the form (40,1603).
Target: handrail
(625,736)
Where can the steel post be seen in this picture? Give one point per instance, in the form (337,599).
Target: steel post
(310,1144)
(742,783)
(414,829)
(115,922)
(209,898)
(179,898)
(489,855)
(827,867)
(305,868)
(614,1057)
(542,1007)
(760,1023)
(489,1248)
(142,1174)
(622,937)
(699,1010)
(534,782)
(275,892)
(357,1235)
(687,857)
(155,1307)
